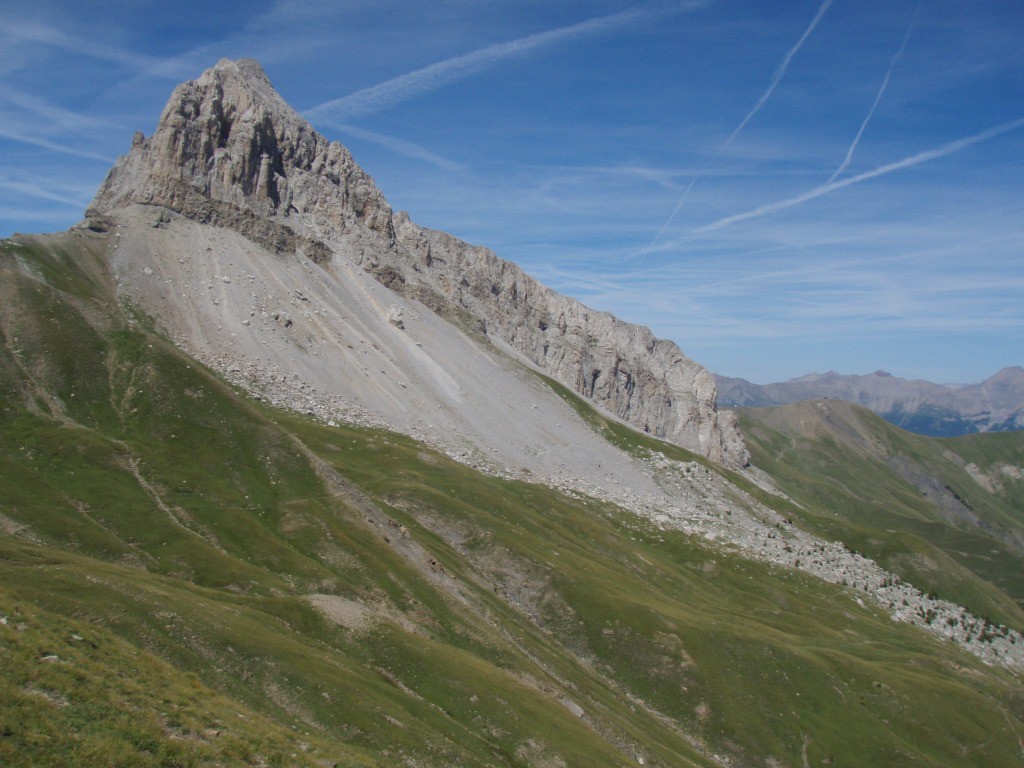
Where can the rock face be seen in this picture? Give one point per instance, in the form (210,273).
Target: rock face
(228,151)
(645,381)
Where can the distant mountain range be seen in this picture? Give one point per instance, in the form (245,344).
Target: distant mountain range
(993,405)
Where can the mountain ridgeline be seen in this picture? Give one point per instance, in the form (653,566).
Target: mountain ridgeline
(287,480)
(993,405)
(229,151)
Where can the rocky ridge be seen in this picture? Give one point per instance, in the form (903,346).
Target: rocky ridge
(618,365)
(641,379)
(229,151)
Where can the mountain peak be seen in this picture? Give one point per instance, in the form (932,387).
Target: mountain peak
(244,83)
(248,68)
(1012,373)
(228,151)
(228,146)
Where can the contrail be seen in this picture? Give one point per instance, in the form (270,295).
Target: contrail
(777,77)
(37,141)
(46,35)
(398,89)
(43,194)
(686,194)
(832,186)
(403,147)
(878,96)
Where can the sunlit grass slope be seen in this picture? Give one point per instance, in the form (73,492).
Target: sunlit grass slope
(347,595)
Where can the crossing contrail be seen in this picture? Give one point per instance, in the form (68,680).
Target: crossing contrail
(777,77)
(878,96)
(832,186)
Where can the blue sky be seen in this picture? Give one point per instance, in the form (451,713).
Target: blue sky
(779,187)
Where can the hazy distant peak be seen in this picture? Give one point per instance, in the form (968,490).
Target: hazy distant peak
(995,404)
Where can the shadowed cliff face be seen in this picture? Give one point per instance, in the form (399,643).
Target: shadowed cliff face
(229,151)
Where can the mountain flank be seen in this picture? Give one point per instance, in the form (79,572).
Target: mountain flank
(229,151)
(993,405)
(345,595)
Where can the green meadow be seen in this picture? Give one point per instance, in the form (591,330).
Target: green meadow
(191,578)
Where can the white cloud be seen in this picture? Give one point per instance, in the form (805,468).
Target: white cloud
(39,191)
(397,89)
(53,146)
(403,147)
(43,34)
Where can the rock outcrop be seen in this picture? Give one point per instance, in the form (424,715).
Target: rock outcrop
(228,151)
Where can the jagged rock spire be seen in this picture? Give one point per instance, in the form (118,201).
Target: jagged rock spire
(230,138)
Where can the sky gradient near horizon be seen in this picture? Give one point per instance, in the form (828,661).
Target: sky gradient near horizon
(778,187)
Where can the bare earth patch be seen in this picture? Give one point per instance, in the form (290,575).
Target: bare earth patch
(342,611)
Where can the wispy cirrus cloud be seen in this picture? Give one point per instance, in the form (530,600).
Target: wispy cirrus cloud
(54,116)
(29,119)
(710,304)
(398,89)
(779,72)
(44,34)
(54,146)
(832,186)
(40,191)
(878,96)
(664,178)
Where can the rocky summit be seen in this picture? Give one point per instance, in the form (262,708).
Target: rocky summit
(229,151)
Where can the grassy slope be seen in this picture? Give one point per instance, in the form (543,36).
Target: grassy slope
(152,510)
(73,693)
(903,499)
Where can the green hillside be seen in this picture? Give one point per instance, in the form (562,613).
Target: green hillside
(913,503)
(191,578)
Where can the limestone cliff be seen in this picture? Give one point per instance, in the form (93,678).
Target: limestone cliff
(229,151)
(646,381)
